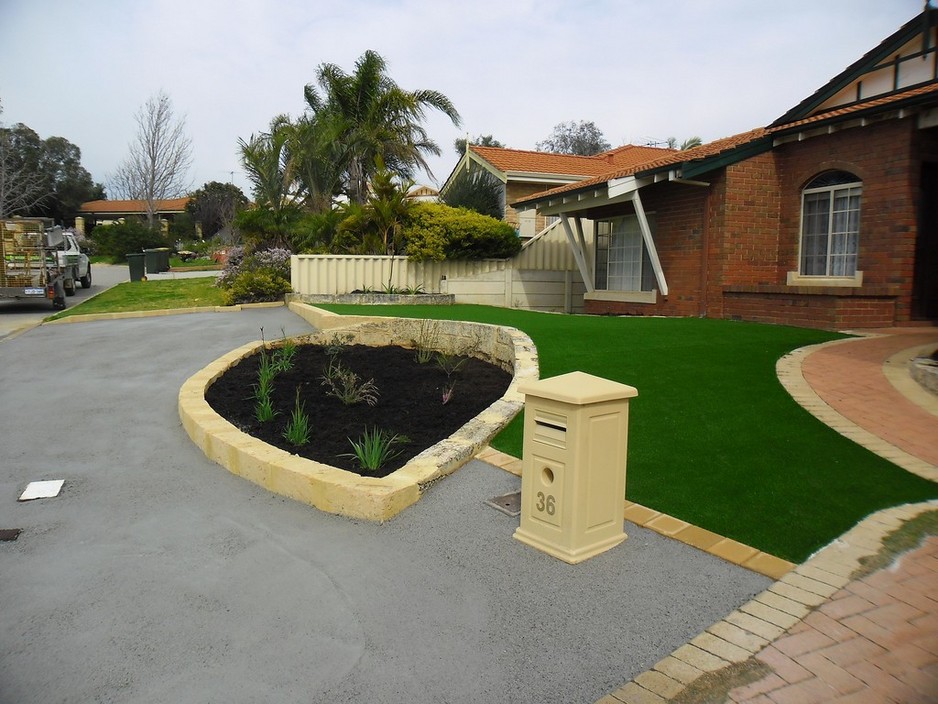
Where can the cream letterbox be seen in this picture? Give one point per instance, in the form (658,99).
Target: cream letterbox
(576,429)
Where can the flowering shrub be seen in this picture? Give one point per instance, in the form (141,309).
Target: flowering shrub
(256,277)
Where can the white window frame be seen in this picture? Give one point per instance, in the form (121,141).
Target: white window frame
(632,295)
(855,278)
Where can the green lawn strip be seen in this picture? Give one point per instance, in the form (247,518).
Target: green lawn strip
(150,295)
(714,437)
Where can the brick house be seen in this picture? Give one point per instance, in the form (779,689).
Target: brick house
(105,212)
(525,173)
(827,217)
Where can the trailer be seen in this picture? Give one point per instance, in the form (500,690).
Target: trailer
(37,262)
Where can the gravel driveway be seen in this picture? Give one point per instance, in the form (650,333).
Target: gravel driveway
(157,576)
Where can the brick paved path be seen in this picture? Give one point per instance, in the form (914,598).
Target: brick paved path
(850,378)
(837,639)
(874,641)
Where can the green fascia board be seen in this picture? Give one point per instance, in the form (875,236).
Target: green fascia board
(691,169)
(872,58)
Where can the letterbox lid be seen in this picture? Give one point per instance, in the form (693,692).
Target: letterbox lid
(578,388)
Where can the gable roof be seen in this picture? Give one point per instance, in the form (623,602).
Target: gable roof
(551,167)
(723,152)
(521,161)
(133,207)
(754,139)
(914,40)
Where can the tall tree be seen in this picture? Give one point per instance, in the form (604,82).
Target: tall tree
(316,157)
(267,161)
(159,160)
(581,138)
(23,186)
(375,118)
(42,177)
(69,181)
(482,140)
(215,206)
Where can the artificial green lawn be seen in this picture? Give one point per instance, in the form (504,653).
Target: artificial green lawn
(714,438)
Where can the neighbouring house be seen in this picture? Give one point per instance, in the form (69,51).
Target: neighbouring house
(525,173)
(827,217)
(423,194)
(106,212)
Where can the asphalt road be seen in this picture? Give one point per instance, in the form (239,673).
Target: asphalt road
(15,315)
(158,576)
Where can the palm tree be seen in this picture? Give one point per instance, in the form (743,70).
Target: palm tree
(375,118)
(266,159)
(316,157)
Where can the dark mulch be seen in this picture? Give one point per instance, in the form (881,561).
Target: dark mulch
(409,401)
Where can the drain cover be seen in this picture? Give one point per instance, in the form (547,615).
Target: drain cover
(507,503)
(8,535)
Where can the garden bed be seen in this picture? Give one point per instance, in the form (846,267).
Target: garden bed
(412,400)
(336,490)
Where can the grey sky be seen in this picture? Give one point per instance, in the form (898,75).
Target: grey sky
(640,69)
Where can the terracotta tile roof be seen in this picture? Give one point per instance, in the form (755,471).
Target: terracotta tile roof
(672,158)
(871,104)
(172,205)
(728,144)
(509,160)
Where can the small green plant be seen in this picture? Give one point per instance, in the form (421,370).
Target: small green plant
(345,385)
(413,290)
(376,448)
(337,345)
(264,409)
(450,363)
(266,373)
(297,430)
(283,355)
(428,334)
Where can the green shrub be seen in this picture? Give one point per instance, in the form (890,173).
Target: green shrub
(117,240)
(476,190)
(438,232)
(256,286)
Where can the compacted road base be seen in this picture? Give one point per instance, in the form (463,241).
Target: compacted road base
(158,576)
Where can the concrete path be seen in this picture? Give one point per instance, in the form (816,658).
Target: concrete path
(835,636)
(158,576)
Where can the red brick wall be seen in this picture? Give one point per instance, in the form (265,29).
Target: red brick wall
(752,228)
(884,157)
(829,312)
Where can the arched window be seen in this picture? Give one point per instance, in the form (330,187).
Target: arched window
(830,225)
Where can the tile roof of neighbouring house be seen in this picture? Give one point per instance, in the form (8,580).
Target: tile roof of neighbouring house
(728,145)
(170,205)
(518,160)
(672,158)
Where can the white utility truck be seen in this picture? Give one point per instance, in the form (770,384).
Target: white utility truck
(40,262)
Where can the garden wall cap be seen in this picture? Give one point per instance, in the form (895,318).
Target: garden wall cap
(578,388)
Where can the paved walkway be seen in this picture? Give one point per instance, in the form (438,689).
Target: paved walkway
(826,631)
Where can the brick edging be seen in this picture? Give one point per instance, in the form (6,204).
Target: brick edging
(756,624)
(788,369)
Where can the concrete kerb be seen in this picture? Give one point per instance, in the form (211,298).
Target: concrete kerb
(745,632)
(91,317)
(346,493)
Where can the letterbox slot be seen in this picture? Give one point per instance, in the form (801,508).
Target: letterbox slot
(550,429)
